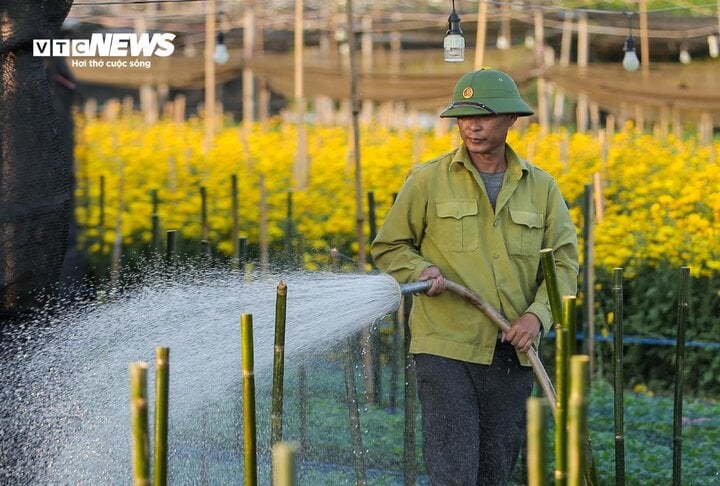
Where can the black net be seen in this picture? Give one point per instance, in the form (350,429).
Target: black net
(34,171)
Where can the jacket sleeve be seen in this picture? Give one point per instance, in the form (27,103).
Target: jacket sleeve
(396,249)
(561,236)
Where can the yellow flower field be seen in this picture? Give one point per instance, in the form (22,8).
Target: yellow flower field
(661,197)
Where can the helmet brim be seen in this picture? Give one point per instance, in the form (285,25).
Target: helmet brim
(496,106)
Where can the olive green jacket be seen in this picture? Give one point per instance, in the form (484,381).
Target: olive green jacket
(442,216)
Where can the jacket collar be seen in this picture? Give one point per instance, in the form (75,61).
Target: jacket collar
(515,165)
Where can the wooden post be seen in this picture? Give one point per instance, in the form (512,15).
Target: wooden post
(618,379)
(209,73)
(301,169)
(679,374)
(589,276)
(480,34)
(644,42)
(249,22)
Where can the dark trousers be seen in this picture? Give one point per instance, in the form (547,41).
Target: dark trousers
(473,417)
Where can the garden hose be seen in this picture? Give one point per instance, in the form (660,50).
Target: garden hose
(499,320)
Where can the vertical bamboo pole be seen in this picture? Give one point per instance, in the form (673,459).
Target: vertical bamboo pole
(562,357)
(355,110)
(536,447)
(278,363)
(374,347)
(644,42)
(301,170)
(248,85)
(679,374)
(618,378)
(480,35)
(589,275)
(248,372)
(577,420)
(264,237)
(561,388)
(162,385)
(235,221)
(139,424)
(547,259)
(289,239)
(155,222)
(283,464)
(209,73)
(117,248)
(368,373)
(354,414)
(394,362)
(303,409)
(409,456)
(101,216)
(204,226)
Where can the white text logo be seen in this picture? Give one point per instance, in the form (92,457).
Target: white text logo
(107,45)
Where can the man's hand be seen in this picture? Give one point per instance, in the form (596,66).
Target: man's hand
(438,281)
(523,332)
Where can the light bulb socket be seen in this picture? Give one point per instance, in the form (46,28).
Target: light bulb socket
(629,44)
(454,24)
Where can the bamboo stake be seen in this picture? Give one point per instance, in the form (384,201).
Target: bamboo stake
(561,387)
(577,420)
(303,409)
(101,219)
(409,457)
(679,374)
(569,313)
(289,239)
(354,413)
(264,236)
(155,218)
(589,274)
(279,363)
(480,35)
(248,372)
(618,378)
(205,228)
(283,464)
(536,456)
(139,424)
(235,234)
(547,258)
(162,383)
(394,361)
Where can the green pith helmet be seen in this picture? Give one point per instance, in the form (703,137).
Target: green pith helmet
(486,92)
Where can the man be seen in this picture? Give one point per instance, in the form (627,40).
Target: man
(479,216)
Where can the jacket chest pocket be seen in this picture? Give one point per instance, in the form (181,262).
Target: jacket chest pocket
(456,227)
(525,232)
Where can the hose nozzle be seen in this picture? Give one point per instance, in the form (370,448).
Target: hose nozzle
(415,287)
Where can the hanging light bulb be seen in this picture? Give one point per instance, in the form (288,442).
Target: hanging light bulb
(630,60)
(221,54)
(713,46)
(454,42)
(685,57)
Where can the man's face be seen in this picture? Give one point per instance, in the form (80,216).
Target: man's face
(486,134)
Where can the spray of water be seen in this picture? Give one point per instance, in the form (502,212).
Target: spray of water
(65,398)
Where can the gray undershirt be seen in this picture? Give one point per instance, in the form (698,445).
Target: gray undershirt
(493,183)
